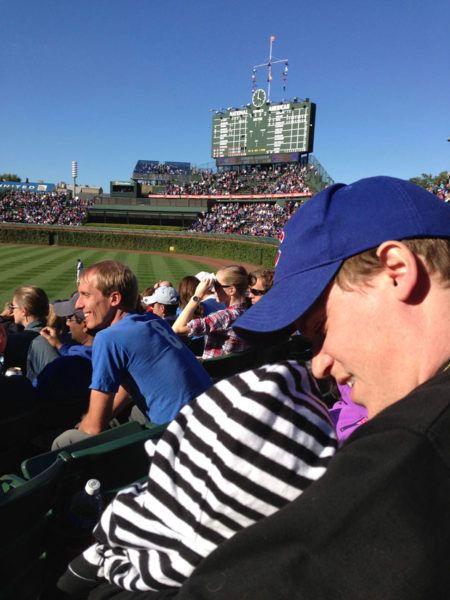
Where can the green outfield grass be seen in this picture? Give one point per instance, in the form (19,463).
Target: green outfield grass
(54,269)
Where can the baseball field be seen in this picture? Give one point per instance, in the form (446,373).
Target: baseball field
(54,269)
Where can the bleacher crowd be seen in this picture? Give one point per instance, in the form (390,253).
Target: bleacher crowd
(256,180)
(50,208)
(153,168)
(262,219)
(442,191)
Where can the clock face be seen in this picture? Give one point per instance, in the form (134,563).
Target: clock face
(259,97)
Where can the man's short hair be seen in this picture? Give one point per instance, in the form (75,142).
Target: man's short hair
(435,253)
(115,276)
(266,276)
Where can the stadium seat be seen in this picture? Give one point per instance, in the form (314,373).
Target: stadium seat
(226,366)
(115,457)
(26,513)
(33,466)
(116,463)
(295,348)
(15,432)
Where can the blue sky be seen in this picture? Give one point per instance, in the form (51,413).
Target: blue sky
(108,82)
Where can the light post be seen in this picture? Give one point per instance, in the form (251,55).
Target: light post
(74,175)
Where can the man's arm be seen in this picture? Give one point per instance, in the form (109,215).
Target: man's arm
(180,326)
(103,406)
(121,400)
(99,414)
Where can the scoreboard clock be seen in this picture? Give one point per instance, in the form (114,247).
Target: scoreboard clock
(259,97)
(264,128)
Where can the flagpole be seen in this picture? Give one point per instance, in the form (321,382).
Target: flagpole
(268,64)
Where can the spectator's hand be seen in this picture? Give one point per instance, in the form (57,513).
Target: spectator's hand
(51,336)
(7,313)
(203,289)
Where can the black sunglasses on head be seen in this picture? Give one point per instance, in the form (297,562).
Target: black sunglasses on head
(257,292)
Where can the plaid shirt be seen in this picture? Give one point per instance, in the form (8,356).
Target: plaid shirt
(220,338)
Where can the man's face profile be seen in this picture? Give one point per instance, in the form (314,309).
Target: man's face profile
(98,309)
(158,309)
(353,333)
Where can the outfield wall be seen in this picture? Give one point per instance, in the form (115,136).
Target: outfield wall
(255,251)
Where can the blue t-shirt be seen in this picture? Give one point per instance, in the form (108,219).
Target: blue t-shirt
(147,357)
(76,350)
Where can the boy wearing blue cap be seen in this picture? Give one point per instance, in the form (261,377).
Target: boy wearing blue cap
(364,272)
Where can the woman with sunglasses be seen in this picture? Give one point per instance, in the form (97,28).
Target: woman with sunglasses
(30,308)
(260,282)
(230,287)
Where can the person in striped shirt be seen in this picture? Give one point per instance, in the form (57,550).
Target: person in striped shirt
(236,454)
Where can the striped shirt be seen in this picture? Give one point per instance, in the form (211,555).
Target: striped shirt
(238,453)
(220,338)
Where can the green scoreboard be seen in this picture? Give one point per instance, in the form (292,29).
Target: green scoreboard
(264,128)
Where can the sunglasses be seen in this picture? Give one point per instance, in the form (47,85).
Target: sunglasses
(74,319)
(12,306)
(216,285)
(257,292)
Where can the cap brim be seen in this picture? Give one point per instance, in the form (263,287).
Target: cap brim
(273,317)
(65,308)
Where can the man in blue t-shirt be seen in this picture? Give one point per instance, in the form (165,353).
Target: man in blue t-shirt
(134,358)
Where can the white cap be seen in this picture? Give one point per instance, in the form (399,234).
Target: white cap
(163,295)
(204,275)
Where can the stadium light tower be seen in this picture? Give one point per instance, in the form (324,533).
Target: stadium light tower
(74,175)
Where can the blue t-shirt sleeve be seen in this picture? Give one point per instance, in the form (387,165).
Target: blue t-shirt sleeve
(108,363)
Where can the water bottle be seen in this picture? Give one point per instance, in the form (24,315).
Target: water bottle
(83,514)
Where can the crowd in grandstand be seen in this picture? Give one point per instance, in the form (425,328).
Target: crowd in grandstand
(262,219)
(257,180)
(442,191)
(153,168)
(50,208)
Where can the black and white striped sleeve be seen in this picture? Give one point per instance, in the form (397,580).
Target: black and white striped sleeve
(235,455)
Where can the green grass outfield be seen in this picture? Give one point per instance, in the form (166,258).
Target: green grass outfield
(54,269)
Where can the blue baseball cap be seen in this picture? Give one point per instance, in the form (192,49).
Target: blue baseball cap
(338,222)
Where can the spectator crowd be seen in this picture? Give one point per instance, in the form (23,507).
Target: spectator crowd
(442,191)
(153,168)
(281,179)
(261,219)
(42,209)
